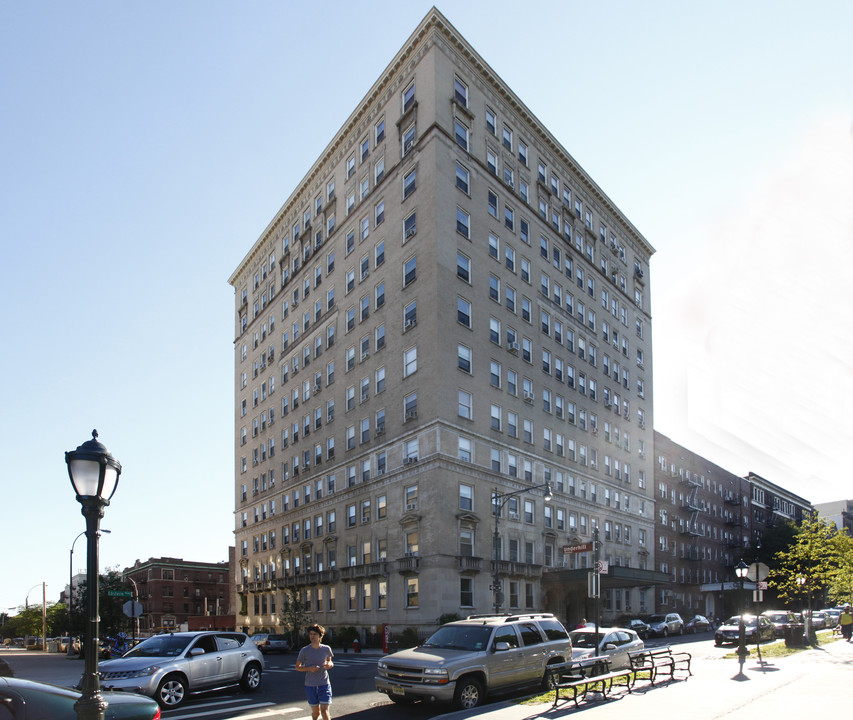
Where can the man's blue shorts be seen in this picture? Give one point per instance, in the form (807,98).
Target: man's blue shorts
(318,694)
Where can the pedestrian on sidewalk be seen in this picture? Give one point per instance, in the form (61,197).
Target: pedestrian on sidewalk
(845,620)
(315,660)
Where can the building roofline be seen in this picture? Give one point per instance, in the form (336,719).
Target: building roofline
(433,22)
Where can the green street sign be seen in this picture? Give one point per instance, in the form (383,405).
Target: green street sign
(119,593)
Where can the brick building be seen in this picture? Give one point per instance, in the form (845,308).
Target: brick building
(173,591)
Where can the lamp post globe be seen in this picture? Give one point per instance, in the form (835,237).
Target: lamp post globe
(94,475)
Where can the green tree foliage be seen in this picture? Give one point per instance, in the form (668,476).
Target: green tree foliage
(28,621)
(841,587)
(809,564)
(294,615)
(113,619)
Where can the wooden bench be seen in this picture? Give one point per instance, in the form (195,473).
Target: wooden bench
(592,674)
(656,661)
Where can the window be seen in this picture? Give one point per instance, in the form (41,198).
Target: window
(408,139)
(410,271)
(463,312)
(494,288)
(412,592)
(463,223)
(410,361)
(491,121)
(464,452)
(410,226)
(408,97)
(463,179)
(463,355)
(410,315)
(460,92)
(409,183)
(493,204)
(461,134)
(465,405)
(466,497)
(463,267)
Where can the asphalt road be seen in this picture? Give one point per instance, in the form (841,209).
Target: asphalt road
(281,695)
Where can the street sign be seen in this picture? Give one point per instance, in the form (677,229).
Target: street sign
(603,567)
(762,585)
(757,571)
(758,596)
(577,548)
(119,593)
(132,609)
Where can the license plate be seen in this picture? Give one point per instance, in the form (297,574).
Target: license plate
(397,690)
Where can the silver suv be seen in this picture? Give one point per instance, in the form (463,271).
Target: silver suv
(665,624)
(465,660)
(170,667)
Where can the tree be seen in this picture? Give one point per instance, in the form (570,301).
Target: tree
(809,564)
(841,588)
(294,615)
(112,617)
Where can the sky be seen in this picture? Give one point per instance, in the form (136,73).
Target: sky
(145,146)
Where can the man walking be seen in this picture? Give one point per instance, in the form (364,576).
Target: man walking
(846,622)
(316,660)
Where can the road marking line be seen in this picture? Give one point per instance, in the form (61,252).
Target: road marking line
(182,716)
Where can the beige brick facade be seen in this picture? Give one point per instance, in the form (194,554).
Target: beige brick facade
(452,302)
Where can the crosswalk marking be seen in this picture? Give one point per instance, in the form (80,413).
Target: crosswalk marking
(212,710)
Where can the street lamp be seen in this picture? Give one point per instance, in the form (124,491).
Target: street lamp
(71,577)
(498,501)
(741,569)
(94,474)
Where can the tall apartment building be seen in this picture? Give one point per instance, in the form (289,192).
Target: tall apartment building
(708,520)
(446,307)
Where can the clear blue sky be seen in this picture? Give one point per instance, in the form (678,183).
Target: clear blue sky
(145,146)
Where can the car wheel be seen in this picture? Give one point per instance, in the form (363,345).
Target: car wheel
(681,630)
(171,692)
(665,632)
(469,693)
(549,680)
(251,679)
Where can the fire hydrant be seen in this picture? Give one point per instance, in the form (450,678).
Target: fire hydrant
(356,646)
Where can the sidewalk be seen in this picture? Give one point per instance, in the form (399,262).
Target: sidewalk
(54,668)
(811,684)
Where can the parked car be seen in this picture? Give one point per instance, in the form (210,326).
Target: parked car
(30,700)
(260,638)
(756,628)
(463,661)
(832,617)
(170,667)
(781,620)
(698,623)
(274,643)
(665,624)
(818,620)
(639,627)
(613,643)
